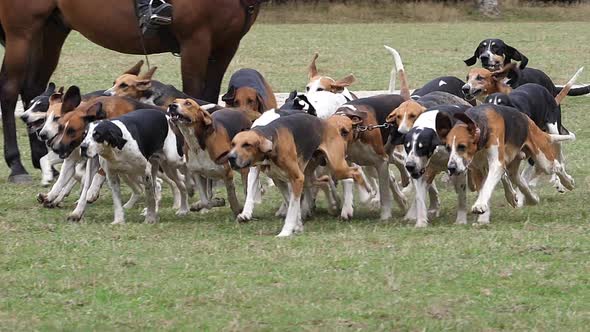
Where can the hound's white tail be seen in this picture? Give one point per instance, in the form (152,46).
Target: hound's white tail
(568,86)
(398,69)
(562,138)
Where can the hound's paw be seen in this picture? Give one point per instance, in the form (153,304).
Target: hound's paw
(74,217)
(182,212)
(118,222)
(50,205)
(461,218)
(346,213)
(421,223)
(244,217)
(41,198)
(151,220)
(434,213)
(479,208)
(285,234)
(385,216)
(374,203)
(511,198)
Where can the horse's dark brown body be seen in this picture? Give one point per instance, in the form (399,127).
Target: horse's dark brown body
(207,33)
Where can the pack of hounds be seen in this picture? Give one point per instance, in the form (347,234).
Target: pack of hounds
(147,134)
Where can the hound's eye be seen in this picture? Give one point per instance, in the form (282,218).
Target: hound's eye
(60,128)
(344,132)
(250,101)
(320,89)
(123,85)
(71,131)
(187,103)
(246,145)
(307,88)
(399,117)
(479,78)
(412,116)
(461,148)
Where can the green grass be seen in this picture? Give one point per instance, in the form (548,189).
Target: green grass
(528,270)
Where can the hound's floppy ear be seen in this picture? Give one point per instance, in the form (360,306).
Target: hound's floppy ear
(95,112)
(261,104)
(56,98)
(50,89)
(444,124)
(61,90)
(229,97)
(207,120)
(391,117)
(471,125)
(143,84)
(72,99)
(117,141)
(344,82)
(471,61)
(292,95)
(149,74)
(397,138)
(512,53)
(135,70)
(265,145)
(312,69)
(357,117)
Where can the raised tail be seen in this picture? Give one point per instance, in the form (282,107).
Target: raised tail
(398,69)
(555,138)
(566,89)
(579,91)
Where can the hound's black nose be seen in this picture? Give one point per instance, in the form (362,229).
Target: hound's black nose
(452,169)
(24,117)
(484,58)
(411,167)
(84,150)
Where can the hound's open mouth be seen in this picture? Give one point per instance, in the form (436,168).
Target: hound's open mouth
(472,94)
(177,117)
(33,127)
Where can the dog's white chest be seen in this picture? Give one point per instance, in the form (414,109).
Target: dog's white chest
(128,161)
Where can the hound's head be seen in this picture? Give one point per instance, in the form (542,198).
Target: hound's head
(35,116)
(131,84)
(74,120)
(246,99)
(102,135)
(248,148)
(495,54)
(461,140)
(420,144)
(324,83)
(405,115)
(188,112)
(344,126)
(481,82)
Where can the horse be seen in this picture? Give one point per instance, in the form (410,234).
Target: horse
(205,33)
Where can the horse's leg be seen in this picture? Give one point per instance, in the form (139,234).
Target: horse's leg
(218,64)
(42,64)
(193,64)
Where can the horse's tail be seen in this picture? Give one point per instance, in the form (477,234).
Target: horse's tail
(2,36)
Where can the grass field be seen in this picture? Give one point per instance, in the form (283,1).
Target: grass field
(528,270)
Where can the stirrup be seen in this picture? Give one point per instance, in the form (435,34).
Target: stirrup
(160,20)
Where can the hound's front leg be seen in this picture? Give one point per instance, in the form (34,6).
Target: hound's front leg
(68,169)
(92,165)
(294,211)
(421,187)
(496,170)
(348,206)
(253,187)
(151,172)
(115,184)
(384,192)
(460,183)
(231,192)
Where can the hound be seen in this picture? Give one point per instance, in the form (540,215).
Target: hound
(290,148)
(209,138)
(136,145)
(495,54)
(249,92)
(493,139)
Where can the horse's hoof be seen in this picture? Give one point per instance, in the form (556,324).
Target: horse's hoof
(20,178)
